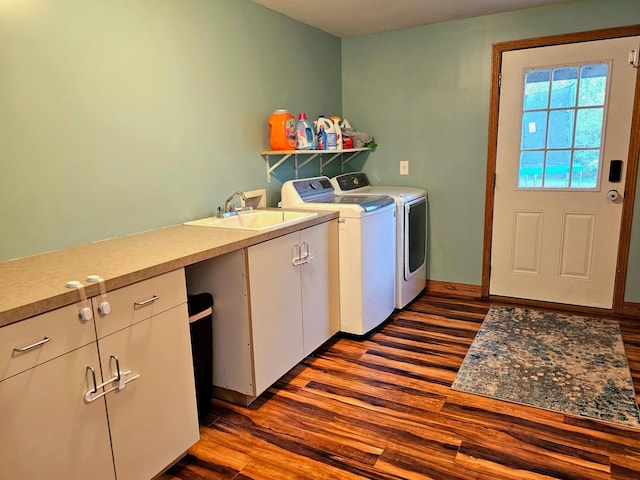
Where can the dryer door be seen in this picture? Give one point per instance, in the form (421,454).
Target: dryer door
(415,236)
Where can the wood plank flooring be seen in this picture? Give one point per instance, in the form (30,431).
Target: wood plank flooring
(381,408)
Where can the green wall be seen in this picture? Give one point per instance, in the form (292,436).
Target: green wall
(121,116)
(424,92)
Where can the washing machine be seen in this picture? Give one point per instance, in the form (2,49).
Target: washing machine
(366,257)
(411,230)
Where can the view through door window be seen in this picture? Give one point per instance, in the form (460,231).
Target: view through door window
(562,123)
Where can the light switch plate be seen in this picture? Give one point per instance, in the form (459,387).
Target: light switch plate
(404,167)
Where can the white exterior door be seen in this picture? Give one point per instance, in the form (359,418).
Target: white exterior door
(564,116)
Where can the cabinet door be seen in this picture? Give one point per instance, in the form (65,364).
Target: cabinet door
(320,285)
(47,430)
(153,419)
(276,311)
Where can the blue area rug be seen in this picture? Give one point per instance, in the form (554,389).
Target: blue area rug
(565,363)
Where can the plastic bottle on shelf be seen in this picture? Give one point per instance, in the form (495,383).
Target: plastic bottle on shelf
(322,138)
(320,121)
(305,135)
(329,130)
(347,134)
(282,130)
(331,138)
(336,125)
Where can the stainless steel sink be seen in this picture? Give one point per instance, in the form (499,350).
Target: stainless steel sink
(258,220)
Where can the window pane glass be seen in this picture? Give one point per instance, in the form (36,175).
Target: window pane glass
(564,87)
(593,84)
(562,122)
(536,89)
(586,164)
(556,172)
(589,127)
(560,129)
(534,129)
(531,165)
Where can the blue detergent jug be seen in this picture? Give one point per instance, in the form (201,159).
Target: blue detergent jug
(329,130)
(305,136)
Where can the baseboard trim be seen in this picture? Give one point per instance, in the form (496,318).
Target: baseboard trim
(631,309)
(436,287)
(464,290)
(231,396)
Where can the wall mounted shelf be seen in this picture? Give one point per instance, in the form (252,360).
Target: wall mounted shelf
(303,157)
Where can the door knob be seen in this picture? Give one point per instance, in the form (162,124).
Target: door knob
(613,195)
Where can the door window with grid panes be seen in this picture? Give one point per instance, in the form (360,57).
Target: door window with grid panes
(563,111)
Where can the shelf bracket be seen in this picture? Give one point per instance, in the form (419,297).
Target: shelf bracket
(333,156)
(275,165)
(300,165)
(312,154)
(344,161)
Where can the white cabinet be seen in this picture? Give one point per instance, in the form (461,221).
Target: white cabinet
(153,419)
(320,286)
(55,423)
(293,290)
(276,310)
(47,430)
(275,303)
(225,277)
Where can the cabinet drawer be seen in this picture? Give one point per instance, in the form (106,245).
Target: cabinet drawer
(134,303)
(63,329)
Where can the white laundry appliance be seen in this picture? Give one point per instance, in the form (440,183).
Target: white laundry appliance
(411,230)
(366,227)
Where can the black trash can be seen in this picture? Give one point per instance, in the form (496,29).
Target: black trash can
(200,308)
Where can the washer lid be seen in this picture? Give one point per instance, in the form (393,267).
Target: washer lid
(319,190)
(402,194)
(357,183)
(367,202)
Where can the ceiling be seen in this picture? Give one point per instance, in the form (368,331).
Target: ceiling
(352,18)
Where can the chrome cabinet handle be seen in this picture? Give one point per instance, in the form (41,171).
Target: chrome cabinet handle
(302,255)
(146,302)
(117,382)
(297,259)
(306,252)
(32,346)
(93,376)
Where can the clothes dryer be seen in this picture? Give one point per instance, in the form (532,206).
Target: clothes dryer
(411,230)
(366,227)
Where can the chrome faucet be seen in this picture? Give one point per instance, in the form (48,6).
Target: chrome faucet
(229,208)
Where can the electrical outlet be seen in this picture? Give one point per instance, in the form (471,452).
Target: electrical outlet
(404,167)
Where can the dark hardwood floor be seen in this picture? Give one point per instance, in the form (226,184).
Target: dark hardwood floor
(381,408)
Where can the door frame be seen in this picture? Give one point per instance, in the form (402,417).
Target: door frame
(632,158)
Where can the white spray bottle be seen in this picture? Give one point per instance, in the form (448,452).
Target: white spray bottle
(336,125)
(329,129)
